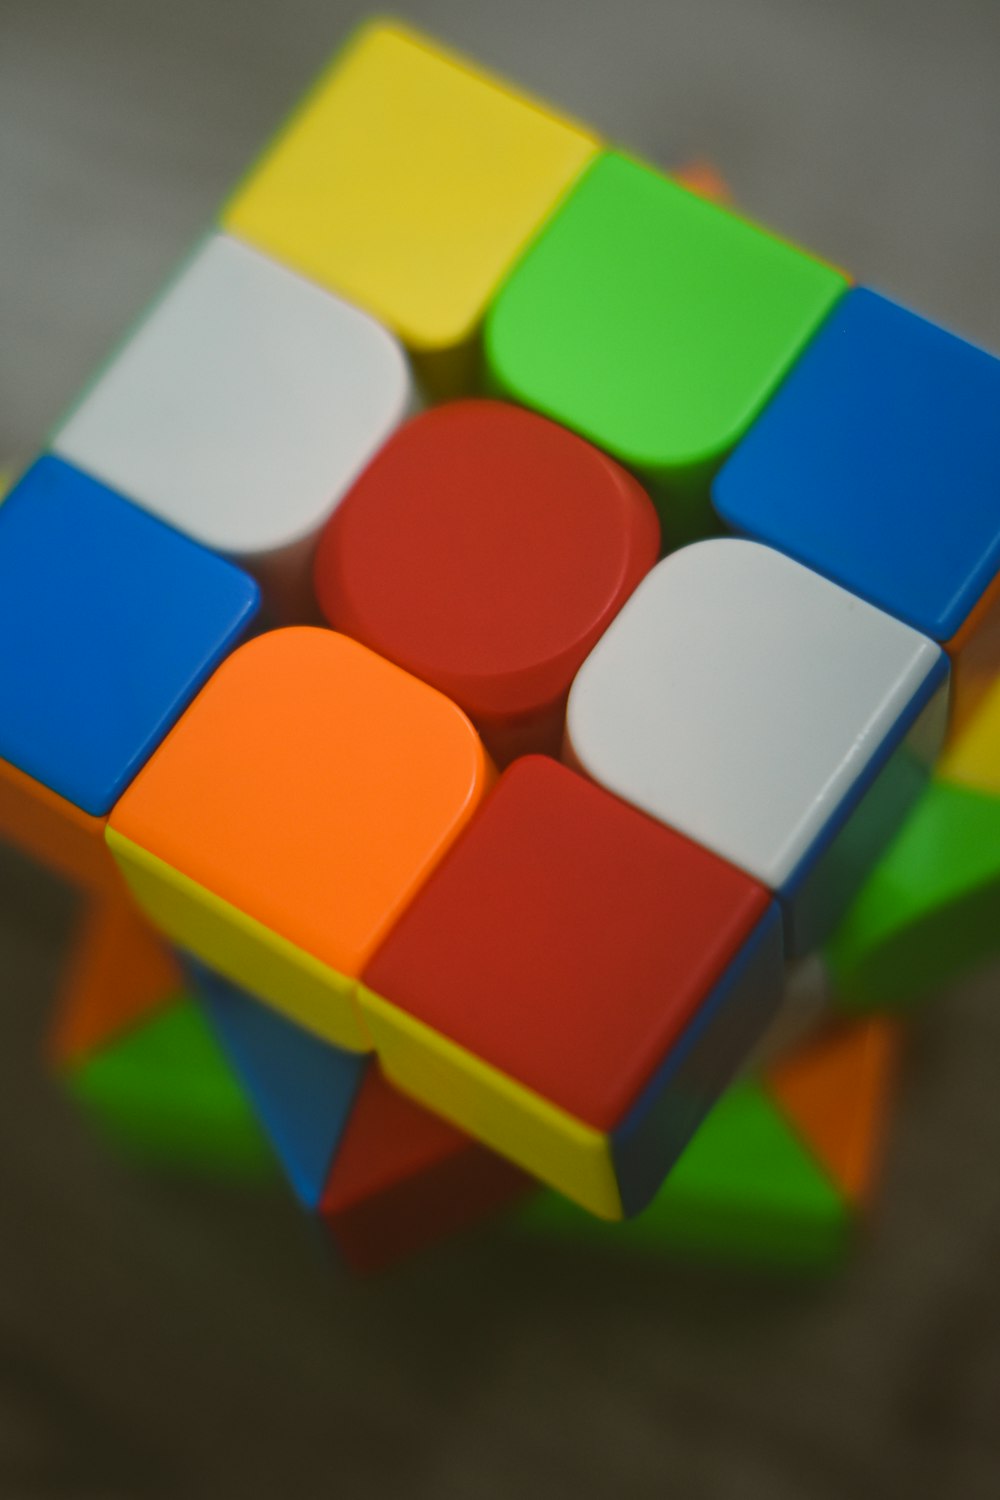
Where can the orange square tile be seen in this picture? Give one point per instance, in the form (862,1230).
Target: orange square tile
(293,812)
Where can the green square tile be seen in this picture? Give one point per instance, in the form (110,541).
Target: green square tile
(657,325)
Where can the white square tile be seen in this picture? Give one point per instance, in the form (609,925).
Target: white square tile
(242,408)
(767,713)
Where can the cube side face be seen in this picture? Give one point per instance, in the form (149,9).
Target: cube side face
(696,1071)
(972,756)
(119,621)
(652,322)
(527,539)
(447,1198)
(928,911)
(433,178)
(403,1179)
(312,787)
(119,972)
(975,659)
(876,464)
(389,1139)
(821,890)
(748,703)
(806,1002)
(302,1089)
(55,832)
(243,406)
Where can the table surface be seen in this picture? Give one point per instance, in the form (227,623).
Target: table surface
(163,1339)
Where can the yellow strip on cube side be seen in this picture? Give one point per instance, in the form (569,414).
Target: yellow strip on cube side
(318,998)
(514,1120)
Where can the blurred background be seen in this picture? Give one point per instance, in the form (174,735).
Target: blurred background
(167,1339)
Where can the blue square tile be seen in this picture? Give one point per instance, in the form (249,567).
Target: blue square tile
(110,622)
(878,464)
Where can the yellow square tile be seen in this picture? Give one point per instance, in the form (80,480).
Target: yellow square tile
(409,182)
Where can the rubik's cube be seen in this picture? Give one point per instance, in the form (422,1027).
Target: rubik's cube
(496,611)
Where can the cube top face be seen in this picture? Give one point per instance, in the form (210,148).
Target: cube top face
(652,322)
(312,785)
(878,464)
(243,406)
(409,182)
(567,940)
(526,539)
(118,620)
(744,700)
